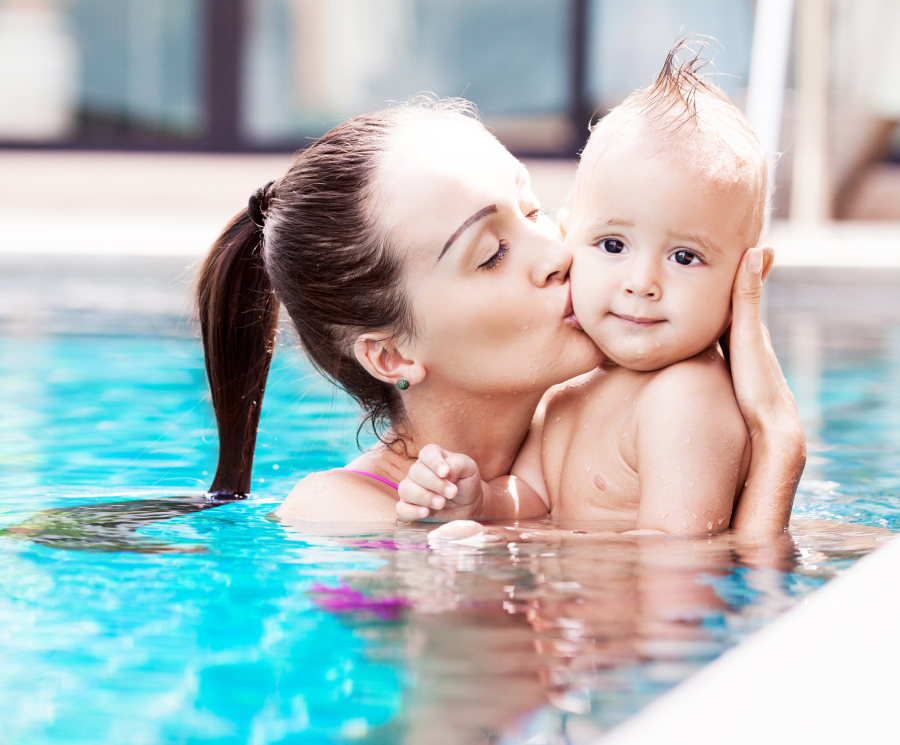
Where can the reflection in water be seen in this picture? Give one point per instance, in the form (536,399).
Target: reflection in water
(111,526)
(557,639)
(553,638)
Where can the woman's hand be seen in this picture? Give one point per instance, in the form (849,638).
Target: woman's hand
(777,439)
(440,485)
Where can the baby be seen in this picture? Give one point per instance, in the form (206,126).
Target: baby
(670,192)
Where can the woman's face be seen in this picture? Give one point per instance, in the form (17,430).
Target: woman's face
(486,270)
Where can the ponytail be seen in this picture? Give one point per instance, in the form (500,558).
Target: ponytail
(238,318)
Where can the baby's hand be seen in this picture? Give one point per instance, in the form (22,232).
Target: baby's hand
(440,485)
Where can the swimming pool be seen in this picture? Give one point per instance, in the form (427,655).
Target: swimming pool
(224,625)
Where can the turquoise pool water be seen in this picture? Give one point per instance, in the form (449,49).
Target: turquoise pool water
(225,626)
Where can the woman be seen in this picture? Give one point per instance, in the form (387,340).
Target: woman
(425,280)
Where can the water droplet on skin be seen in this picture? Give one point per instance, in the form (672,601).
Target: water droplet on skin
(709,526)
(693,515)
(684,525)
(558,418)
(526,328)
(746,484)
(588,468)
(623,434)
(668,421)
(721,520)
(664,515)
(599,483)
(688,440)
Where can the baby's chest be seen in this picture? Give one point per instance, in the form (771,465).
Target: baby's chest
(589,462)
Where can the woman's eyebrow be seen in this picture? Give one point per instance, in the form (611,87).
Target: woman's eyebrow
(484,212)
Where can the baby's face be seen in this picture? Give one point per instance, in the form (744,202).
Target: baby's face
(657,243)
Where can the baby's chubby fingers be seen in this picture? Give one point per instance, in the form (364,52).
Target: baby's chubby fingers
(409,513)
(411,492)
(424,476)
(434,457)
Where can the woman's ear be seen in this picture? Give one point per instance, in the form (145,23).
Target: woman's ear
(768,260)
(382,357)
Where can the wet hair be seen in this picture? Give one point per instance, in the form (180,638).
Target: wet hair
(683,105)
(311,242)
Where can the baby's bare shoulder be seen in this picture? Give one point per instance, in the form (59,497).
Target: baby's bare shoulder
(572,392)
(695,388)
(705,372)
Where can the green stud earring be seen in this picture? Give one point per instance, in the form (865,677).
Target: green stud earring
(403,384)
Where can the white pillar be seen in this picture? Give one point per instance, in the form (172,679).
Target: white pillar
(811,184)
(768,73)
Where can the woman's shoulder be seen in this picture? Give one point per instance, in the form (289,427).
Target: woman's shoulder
(339,496)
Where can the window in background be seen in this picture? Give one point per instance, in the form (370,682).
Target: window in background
(141,70)
(312,63)
(629,39)
(104,71)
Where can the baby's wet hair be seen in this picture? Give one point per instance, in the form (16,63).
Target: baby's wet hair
(683,105)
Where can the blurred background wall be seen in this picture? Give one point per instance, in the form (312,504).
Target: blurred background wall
(265,76)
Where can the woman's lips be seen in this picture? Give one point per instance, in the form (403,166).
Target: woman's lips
(637,320)
(569,314)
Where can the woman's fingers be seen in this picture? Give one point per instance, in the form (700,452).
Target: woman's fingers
(758,381)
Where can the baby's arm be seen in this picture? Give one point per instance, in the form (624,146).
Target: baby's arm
(447,486)
(692,448)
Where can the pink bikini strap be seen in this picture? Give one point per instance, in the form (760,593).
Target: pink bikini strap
(370,475)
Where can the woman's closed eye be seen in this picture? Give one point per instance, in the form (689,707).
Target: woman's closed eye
(535,214)
(492,262)
(685,257)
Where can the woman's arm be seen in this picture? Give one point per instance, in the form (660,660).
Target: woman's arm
(776,435)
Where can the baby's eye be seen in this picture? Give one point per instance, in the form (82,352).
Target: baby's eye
(612,245)
(686,258)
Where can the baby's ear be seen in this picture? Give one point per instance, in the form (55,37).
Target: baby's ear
(768,260)
(562,218)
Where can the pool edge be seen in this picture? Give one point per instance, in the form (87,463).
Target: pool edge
(823,670)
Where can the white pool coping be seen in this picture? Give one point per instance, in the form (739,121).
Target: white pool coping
(827,671)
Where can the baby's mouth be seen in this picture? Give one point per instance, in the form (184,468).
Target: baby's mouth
(638,321)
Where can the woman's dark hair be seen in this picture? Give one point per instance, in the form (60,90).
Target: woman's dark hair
(308,241)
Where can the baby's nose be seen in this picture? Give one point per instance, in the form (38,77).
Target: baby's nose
(643,284)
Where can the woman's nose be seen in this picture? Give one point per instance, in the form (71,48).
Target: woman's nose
(554,261)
